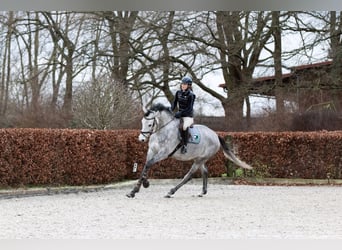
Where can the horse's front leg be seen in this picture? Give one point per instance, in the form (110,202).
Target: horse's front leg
(144,174)
(154,155)
(142,180)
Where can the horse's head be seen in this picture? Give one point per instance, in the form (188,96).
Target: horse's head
(147,125)
(151,119)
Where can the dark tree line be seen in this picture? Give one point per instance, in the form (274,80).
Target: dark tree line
(49,60)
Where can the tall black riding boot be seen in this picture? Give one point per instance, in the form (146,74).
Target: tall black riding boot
(185,135)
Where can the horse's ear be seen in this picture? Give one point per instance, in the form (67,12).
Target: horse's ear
(144,109)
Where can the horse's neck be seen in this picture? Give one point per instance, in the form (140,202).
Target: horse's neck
(167,122)
(163,120)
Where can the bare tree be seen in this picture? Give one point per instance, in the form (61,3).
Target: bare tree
(153,68)
(120,25)
(6,65)
(197,43)
(105,104)
(36,72)
(58,31)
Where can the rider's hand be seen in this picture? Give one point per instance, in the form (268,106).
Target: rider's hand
(178,114)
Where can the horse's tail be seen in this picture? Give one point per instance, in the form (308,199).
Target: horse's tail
(231,156)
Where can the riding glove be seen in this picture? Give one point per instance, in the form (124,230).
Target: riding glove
(178,114)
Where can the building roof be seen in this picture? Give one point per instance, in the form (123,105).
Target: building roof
(312,65)
(294,69)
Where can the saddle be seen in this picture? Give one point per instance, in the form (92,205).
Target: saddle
(194,135)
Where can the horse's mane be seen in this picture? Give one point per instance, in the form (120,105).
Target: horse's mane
(158,107)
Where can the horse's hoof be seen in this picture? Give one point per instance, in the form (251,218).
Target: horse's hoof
(130,195)
(201,194)
(168,196)
(146,184)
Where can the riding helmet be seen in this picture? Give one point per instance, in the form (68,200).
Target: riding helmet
(187,80)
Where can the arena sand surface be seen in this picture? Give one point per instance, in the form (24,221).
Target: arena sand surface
(226,212)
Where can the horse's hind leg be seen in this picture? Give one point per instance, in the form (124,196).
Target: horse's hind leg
(204,172)
(186,178)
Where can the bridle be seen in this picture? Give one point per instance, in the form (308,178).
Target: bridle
(146,134)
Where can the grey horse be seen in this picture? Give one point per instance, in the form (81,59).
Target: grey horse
(160,128)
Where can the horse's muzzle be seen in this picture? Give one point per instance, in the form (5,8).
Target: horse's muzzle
(142,138)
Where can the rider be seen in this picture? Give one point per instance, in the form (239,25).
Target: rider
(185,99)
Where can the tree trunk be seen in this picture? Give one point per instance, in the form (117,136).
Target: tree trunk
(233,109)
(336,54)
(6,71)
(121,25)
(280,109)
(67,105)
(34,72)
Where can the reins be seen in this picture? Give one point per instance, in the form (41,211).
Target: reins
(152,132)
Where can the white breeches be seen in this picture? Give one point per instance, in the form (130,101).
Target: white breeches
(187,122)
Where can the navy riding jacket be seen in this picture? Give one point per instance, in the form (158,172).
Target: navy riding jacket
(185,101)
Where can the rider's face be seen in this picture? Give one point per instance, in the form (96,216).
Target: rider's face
(184,86)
